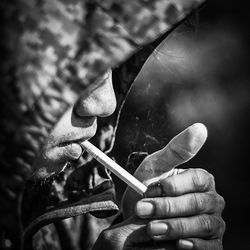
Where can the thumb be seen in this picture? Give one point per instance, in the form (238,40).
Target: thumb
(180,149)
(183,146)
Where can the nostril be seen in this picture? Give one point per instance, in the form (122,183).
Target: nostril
(77,110)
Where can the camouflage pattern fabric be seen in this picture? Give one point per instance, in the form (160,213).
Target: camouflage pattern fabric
(50,52)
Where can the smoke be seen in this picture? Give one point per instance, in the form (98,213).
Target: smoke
(200,76)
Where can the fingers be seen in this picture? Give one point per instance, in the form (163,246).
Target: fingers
(186,144)
(183,146)
(180,149)
(191,180)
(185,205)
(200,244)
(201,226)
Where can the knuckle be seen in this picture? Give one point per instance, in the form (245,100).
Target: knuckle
(198,179)
(203,179)
(199,203)
(208,225)
(169,186)
(217,202)
(212,200)
(221,202)
(221,227)
(211,181)
(165,207)
(180,229)
(212,226)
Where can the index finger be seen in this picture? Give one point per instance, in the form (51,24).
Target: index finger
(188,181)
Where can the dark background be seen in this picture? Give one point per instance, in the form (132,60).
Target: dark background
(200,74)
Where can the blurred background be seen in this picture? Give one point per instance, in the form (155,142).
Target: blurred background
(200,74)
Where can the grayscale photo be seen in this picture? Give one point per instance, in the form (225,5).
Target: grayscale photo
(124,125)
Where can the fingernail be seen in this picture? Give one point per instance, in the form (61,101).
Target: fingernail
(144,209)
(186,244)
(158,228)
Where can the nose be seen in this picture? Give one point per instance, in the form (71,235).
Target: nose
(100,102)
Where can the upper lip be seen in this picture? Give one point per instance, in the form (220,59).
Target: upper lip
(88,120)
(68,142)
(78,136)
(83,122)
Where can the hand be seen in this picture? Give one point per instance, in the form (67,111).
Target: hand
(130,234)
(189,212)
(159,165)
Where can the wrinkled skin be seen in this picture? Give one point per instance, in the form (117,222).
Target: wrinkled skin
(183,212)
(185,208)
(79,123)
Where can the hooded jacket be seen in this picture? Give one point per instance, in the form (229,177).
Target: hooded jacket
(50,52)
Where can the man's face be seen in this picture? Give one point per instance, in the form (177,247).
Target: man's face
(79,123)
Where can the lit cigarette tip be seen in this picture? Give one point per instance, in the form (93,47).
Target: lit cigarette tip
(114,167)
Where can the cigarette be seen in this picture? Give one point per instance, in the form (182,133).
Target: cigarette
(114,167)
